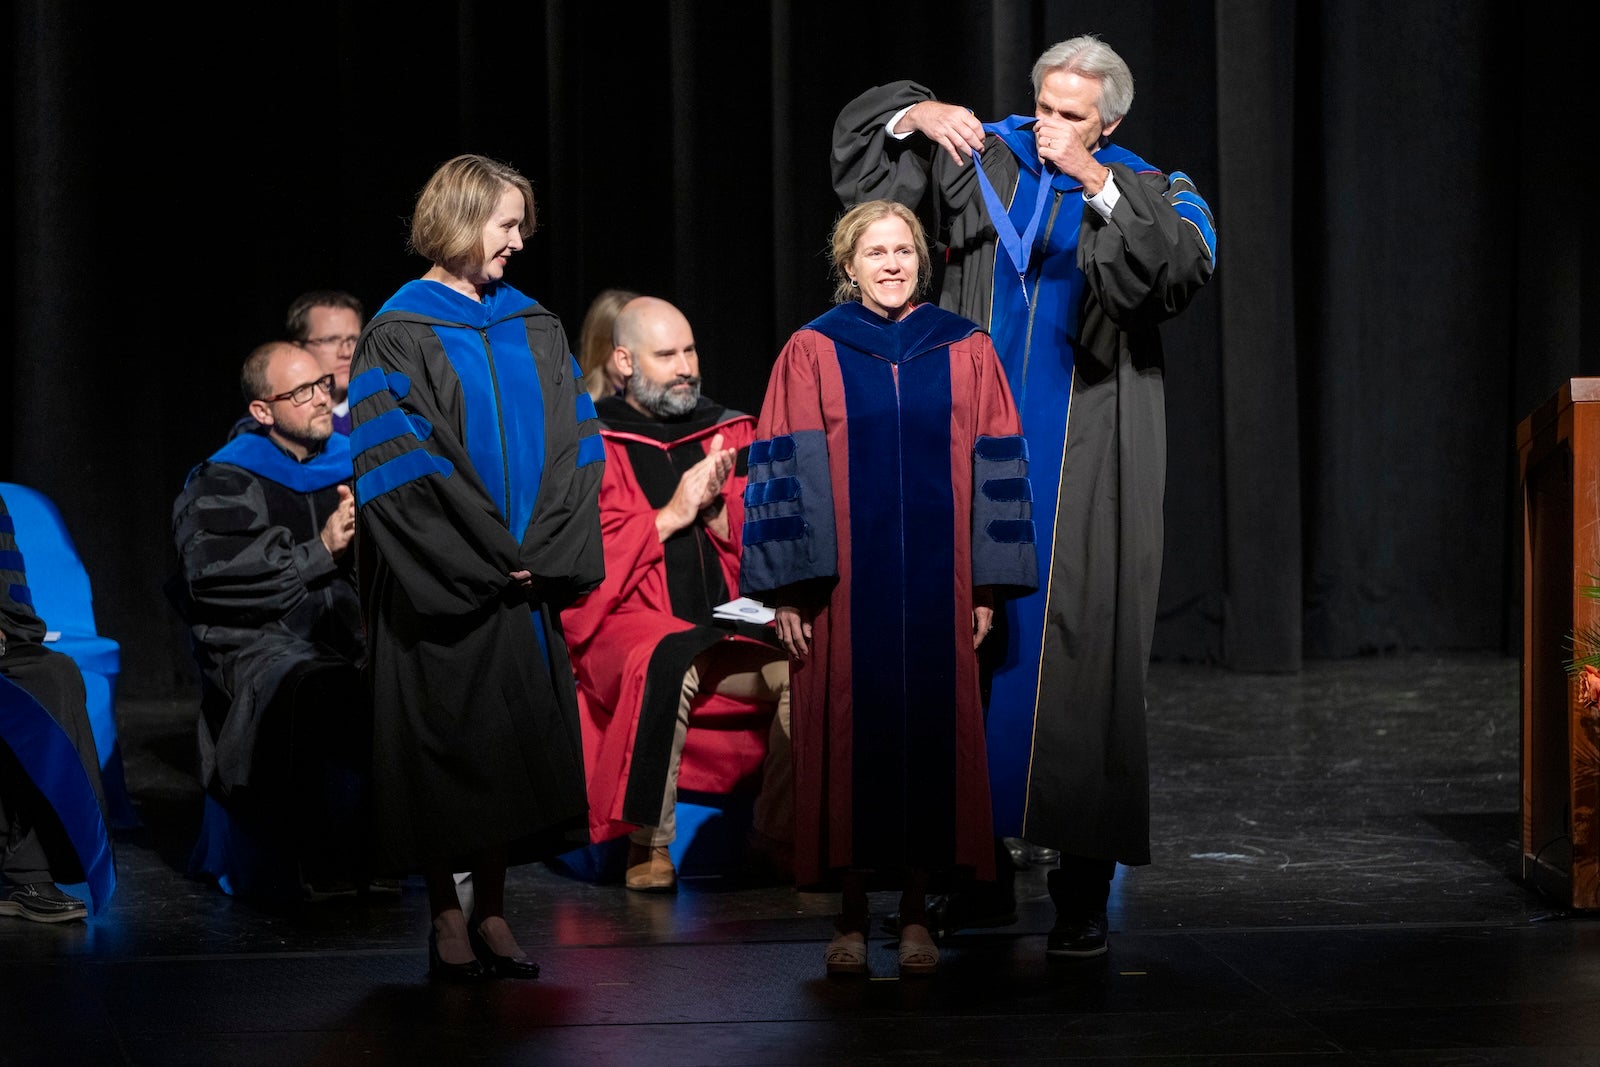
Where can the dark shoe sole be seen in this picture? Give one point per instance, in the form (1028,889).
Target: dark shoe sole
(1077,953)
(65,916)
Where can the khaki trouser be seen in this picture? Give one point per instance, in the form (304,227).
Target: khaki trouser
(774,808)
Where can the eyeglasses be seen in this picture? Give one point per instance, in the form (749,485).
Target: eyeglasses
(301,394)
(339,342)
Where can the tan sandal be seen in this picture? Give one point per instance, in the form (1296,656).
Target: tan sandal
(847,953)
(919,956)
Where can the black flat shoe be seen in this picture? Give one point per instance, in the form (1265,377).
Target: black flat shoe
(460,973)
(496,965)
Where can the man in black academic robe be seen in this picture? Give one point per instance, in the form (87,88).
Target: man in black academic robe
(263,530)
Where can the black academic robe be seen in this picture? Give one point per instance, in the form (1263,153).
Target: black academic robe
(45,724)
(264,601)
(476,455)
(1066,707)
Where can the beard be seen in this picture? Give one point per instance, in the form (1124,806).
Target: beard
(665,401)
(311,437)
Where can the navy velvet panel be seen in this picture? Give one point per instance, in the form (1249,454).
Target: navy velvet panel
(902,566)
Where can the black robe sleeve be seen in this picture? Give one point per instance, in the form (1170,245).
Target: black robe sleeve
(18,620)
(867,163)
(237,564)
(1146,262)
(438,531)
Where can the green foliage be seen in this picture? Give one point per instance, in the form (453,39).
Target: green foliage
(1586,639)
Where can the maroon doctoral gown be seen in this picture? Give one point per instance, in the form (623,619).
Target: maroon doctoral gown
(634,636)
(888,481)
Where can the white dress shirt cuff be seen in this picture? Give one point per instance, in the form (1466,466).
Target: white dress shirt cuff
(894,120)
(1106,198)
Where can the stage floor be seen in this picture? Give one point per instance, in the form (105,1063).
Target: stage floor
(1335,880)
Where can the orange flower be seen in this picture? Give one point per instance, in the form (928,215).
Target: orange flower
(1589,687)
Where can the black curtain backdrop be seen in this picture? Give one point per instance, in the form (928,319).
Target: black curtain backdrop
(1401,277)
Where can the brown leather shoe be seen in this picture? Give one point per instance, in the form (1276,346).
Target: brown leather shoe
(650,869)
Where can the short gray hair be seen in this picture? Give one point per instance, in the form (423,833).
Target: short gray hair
(1089,57)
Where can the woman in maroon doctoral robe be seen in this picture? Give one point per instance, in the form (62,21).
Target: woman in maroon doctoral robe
(888,505)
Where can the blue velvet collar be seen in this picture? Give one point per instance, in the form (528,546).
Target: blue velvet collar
(437,302)
(928,327)
(256,453)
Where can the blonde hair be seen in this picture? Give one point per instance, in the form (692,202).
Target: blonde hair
(447,226)
(596,339)
(847,234)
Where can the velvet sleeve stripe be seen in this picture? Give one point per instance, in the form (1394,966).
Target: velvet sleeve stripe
(21,594)
(7,524)
(772,450)
(1001,449)
(389,476)
(783,528)
(1010,532)
(1007,490)
(789,532)
(386,427)
(1193,210)
(1003,532)
(10,560)
(591,449)
(376,381)
(366,384)
(776,491)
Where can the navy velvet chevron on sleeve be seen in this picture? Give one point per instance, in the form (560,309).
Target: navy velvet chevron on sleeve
(789,533)
(1003,550)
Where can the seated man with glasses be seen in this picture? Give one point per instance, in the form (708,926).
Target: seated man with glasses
(327,323)
(263,530)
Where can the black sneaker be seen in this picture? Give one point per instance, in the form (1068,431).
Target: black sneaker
(1077,939)
(41,902)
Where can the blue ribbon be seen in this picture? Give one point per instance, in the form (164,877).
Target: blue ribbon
(1018,247)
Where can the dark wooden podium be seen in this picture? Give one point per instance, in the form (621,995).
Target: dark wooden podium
(1558,446)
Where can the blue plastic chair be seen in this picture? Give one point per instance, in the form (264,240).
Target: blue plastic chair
(63,599)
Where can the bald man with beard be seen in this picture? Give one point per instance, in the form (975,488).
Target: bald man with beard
(651,659)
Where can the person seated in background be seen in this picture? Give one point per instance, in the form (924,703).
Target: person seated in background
(597,340)
(327,323)
(52,817)
(263,531)
(646,648)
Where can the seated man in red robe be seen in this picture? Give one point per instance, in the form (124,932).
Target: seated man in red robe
(651,659)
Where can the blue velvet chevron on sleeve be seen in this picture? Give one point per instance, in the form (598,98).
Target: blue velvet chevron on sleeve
(392,425)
